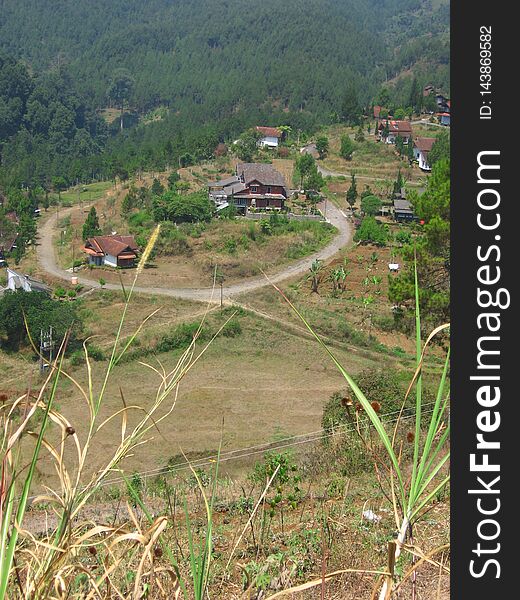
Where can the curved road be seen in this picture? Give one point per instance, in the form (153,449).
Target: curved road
(47,259)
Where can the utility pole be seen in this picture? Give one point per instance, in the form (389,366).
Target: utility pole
(46,349)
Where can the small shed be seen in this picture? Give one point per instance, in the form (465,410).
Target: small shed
(403,210)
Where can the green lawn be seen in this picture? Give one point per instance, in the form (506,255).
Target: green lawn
(84,193)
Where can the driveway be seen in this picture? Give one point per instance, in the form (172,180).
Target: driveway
(47,260)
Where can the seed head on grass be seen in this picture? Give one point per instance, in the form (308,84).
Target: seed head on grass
(148,250)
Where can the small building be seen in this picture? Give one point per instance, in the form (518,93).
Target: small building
(17,281)
(402,129)
(254,185)
(443,103)
(7,245)
(444,118)
(403,210)
(421,149)
(427,90)
(111,250)
(271,137)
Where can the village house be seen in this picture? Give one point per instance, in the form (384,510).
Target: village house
(111,250)
(17,281)
(421,149)
(403,210)
(444,118)
(402,129)
(7,245)
(271,137)
(427,90)
(254,185)
(443,103)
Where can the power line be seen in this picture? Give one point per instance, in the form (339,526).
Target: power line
(314,436)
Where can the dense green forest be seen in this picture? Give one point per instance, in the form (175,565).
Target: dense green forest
(214,67)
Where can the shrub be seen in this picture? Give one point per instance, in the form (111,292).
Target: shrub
(403,237)
(95,353)
(370,231)
(347,147)
(370,205)
(382,387)
(232,329)
(181,337)
(230,212)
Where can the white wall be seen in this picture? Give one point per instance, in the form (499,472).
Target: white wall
(272,142)
(111,261)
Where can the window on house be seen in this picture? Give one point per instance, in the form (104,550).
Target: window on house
(269,189)
(254,189)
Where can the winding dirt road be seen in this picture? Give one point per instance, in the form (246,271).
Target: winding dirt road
(47,260)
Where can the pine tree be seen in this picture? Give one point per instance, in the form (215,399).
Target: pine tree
(352,192)
(415,96)
(409,150)
(398,184)
(360,136)
(350,108)
(386,130)
(91,226)
(399,144)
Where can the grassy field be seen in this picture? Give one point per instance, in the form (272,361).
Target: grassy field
(269,380)
(89,192)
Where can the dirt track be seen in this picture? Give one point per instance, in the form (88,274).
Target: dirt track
(47,259)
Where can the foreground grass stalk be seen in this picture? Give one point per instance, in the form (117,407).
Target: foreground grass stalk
(411,498)
(9,536)
(52,563)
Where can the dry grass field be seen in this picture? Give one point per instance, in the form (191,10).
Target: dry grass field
(263,383)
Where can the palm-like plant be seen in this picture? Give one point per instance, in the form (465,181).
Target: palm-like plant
(315,269)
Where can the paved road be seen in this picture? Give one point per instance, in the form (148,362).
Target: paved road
(47,259)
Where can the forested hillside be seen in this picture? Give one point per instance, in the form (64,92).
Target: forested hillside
(213,66)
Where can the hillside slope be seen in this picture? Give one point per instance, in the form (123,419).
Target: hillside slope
(232,53)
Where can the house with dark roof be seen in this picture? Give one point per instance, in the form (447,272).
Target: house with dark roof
(271,137)
(444,118)
(111,250)
(395,129)
(421,149)
(7,245)
(403,210)
(254,185)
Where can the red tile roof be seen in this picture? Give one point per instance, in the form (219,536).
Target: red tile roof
(402,127)
(424,144)
(270,131)
(115,245)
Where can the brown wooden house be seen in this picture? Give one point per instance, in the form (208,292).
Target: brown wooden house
(255,185)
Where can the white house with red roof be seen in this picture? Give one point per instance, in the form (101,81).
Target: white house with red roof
(421,149)
(395,129)
(271,137)
(111,250)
